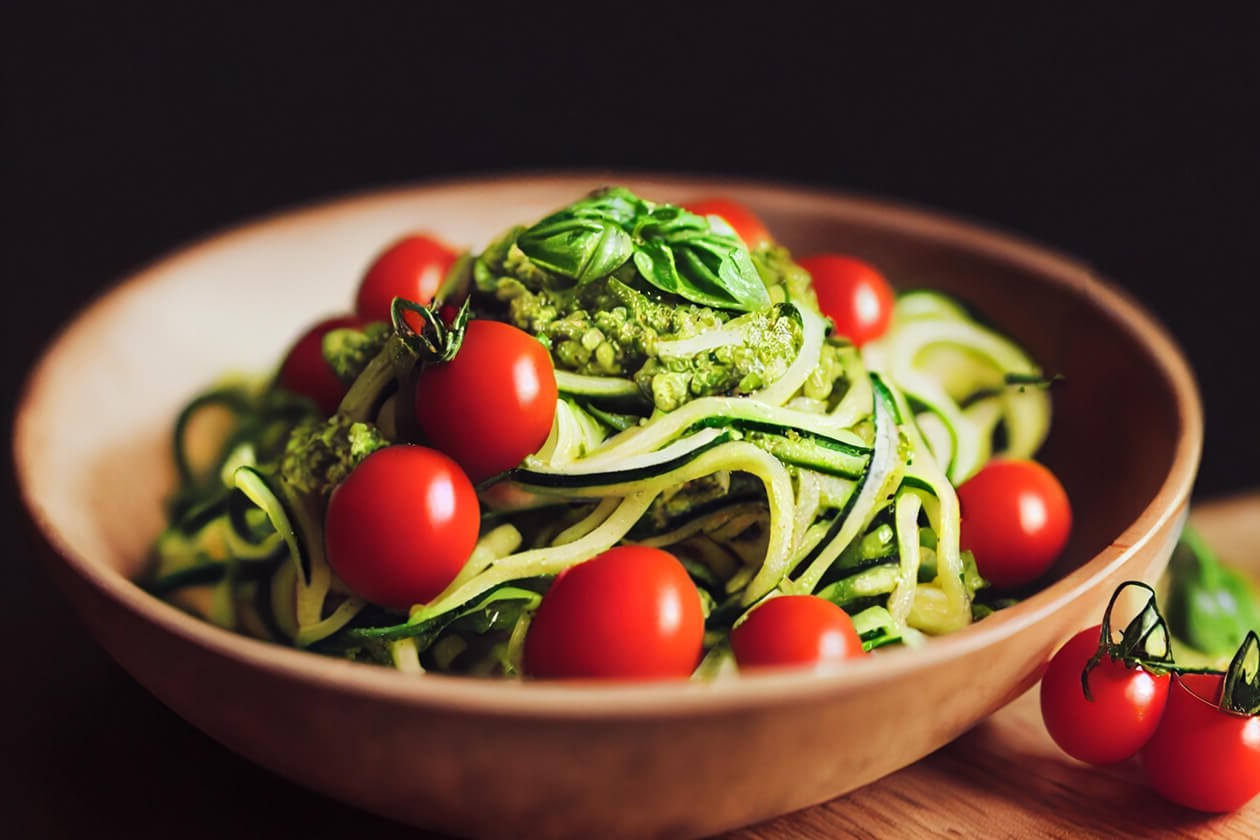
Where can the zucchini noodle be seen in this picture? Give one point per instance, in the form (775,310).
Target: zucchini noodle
(768,454)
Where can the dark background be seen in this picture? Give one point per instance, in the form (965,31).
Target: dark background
(1121,134)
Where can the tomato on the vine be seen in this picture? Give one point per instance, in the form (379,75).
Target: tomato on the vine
(1202,756)
(1016,519)
(796,630)
(411,268)
(304,370)
(746,224)
(401,525)
(853,294)
(493,403)
(631,612)
(1121,712)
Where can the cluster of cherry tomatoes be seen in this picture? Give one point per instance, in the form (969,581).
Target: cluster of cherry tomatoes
(404,522)
(1193,752)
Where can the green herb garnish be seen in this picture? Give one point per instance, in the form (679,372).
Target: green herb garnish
(691,256)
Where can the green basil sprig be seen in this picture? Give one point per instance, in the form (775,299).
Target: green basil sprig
(673,249)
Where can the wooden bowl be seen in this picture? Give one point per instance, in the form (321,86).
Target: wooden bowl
(479,758)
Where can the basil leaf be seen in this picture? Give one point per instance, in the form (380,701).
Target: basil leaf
(655,262)
(581,248)
(613,204)
(667,221)
(719,226)
(719,271)
(714,268)
(1210,606)
(695,257)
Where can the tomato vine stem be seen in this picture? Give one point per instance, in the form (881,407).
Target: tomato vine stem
(1146,643)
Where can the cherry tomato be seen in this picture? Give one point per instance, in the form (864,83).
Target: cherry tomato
(795,630)
(1123,710)
(1015,520)
(401,525)
(1201,756)
(736,214)
(411,268)
(304,370)
(629,613)
(853,294)
(492,404)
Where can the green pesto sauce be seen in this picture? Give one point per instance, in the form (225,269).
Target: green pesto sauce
(611,326)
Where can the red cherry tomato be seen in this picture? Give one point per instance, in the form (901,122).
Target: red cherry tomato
(401,525)
(492,404)
(853,294)
(736,214)
(411,268)
(795,630)
(1201,756)
(304,370)
(629,613)
(1123,710)
(1015,520)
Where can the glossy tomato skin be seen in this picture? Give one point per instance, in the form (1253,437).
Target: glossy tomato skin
(304,371)
(1016,519)
(747,225)
(853,294)
(629,613)
(795,630)
(1200,756)
(401,525)
(1120,718)
(492,404)
(412,268)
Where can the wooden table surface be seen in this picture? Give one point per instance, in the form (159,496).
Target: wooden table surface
(86,751)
